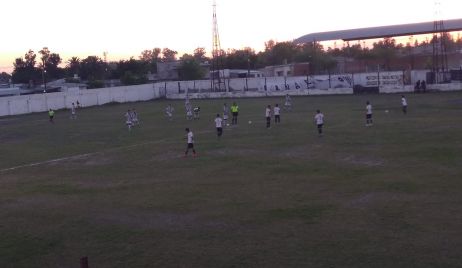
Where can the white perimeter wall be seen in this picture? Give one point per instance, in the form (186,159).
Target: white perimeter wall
(237,88)
(61,100)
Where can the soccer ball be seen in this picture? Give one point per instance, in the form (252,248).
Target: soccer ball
(227,125)
(386,111)
(250,122)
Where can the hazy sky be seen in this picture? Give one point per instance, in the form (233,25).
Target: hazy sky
(125,28)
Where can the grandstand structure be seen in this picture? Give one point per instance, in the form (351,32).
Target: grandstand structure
(434,56)
(381,32)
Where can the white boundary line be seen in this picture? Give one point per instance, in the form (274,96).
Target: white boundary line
(77,156)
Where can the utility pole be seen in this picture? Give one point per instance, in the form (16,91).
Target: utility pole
(217,77)
(440,57)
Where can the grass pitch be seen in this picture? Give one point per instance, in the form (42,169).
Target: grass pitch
(384,196)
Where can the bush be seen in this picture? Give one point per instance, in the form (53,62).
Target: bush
(131,79)
(95,84)
(72,80)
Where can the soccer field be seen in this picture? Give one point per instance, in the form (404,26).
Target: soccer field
(389,195)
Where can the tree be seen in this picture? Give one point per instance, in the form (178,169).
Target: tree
(385,50)
(168,55)
(73,66)
(50,63)
(278,53)
(92,68)
(132,72)
(240,59)
(190,69)
(25,70)
(199,54)
(4,77)
(30,59)
(151,57)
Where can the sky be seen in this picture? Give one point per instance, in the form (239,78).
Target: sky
(125,28)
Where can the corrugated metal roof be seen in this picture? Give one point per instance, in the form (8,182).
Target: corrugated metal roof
(380,32)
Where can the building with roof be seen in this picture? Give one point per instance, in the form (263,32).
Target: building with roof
(380,32)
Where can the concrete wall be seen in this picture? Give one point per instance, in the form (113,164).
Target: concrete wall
(236,88)
(445,87)
(61,100)
(258,94)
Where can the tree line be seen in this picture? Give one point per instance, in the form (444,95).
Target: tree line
(47,65)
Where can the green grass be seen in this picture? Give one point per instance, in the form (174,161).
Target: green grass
(385,196)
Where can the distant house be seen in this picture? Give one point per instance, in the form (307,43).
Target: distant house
(168,71)
(239,73)
(285,70)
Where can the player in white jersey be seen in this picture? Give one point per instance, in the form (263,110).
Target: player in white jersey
(277,114)
(186,101)
(135,119)
(225,114)
(73,112)
(169,112)
(268,116)
(219,125)
(368,114)
(190,138)
(189,112)
(288,103)
(319,121)
(128,120)
(404,104)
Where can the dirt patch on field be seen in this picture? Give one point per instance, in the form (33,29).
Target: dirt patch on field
(97,160)
(161,221)
(235,152)
(305,151)
(167,156)
(456,101)
(367,161)
(33,203)
(12,138)
(374,198)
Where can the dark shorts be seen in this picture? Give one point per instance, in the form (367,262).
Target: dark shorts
(219,131)
(368,116)
(235,114)
(51,117)
(320,125)
(190,145)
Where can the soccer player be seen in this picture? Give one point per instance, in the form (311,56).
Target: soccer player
(219,125)
(186,101)
(134,116)
(225,114)
(169,112)
(197,110)
(288,103)
(190,138)
(189,113)
(268,116)
(235,112)
(73,112)
(129,120)
(277,114)
(404,104)
(368,114)
(51,115)
(319,121)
